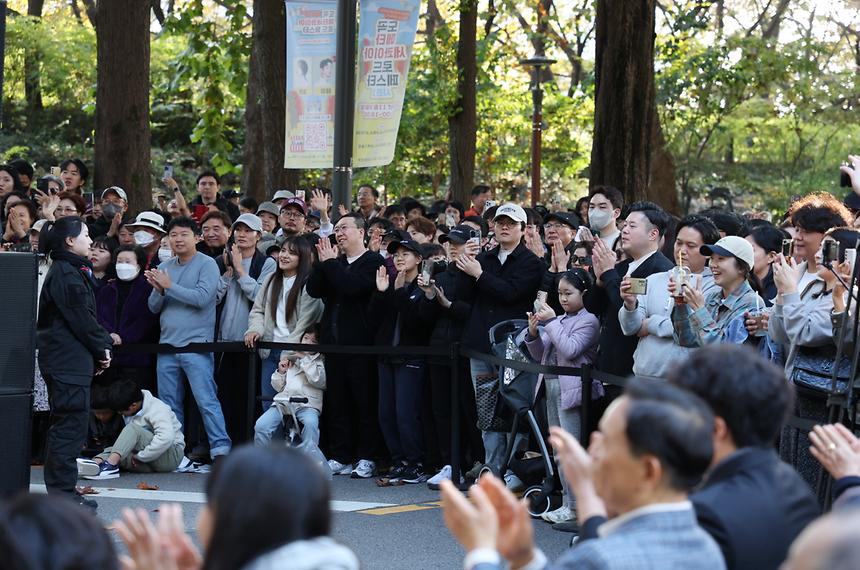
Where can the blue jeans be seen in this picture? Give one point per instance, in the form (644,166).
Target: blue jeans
(495,443)
(199,369)
(270,426)
(267,368)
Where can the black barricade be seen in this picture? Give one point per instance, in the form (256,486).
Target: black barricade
(452,352)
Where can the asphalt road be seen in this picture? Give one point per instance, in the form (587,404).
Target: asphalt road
(388,528)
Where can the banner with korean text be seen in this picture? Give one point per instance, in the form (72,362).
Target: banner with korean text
(385,36)
(311,35)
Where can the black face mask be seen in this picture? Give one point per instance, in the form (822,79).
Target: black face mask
(110,210)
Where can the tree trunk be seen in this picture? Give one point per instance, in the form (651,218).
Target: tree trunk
(122,101)
(263,169)
(624,112)
(462,125)
(663,187)
(32,71)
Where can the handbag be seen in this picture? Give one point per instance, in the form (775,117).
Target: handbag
(813,369)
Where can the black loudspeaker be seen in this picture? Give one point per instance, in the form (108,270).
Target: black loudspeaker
(16,417)
(18,282)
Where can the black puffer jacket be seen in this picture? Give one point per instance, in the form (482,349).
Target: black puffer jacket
(69,336)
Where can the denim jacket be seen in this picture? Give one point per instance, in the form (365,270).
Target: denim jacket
(720,320)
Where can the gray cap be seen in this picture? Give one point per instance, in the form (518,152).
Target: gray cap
(116,190)
(269,207)
(283,195)
(249,220)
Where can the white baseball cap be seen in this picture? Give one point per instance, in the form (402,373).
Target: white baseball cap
(282,195)
(116,190)
(732,246)
(512,211)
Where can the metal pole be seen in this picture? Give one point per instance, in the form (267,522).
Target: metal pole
(536,64)
(2,52)
(454,362)
(537,127)
(251,394)
(344,104)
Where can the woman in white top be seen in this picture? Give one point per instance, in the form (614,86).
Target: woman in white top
(283,310)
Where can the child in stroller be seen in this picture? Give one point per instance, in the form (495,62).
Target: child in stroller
(299,382)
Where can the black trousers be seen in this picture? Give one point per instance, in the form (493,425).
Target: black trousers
(350,404)
(471,445)
(231,376)
(67,433)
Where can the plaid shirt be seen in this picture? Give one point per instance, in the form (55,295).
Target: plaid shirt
(720,320)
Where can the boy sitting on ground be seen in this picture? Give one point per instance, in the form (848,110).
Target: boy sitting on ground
(299,375)
(150,442)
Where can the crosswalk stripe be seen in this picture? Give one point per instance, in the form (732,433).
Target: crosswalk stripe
(337,506)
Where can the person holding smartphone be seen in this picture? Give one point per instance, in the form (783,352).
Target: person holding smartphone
(73,346)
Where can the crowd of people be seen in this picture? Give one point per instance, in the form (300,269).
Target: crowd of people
(728,322)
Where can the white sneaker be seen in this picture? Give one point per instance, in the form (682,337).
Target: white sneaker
(443,475)
(513,483)
(338,468)
(364,469)
(87,467)
(561,514)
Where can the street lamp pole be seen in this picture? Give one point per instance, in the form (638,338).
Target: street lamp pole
(536,63)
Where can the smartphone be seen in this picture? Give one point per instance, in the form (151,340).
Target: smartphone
(300,194)
(489,204)
(788,248)
(227,251)
(638,286)
(55,171)
(108,354)
(475,237)
(89,198)
(844,178)
(168,172)
(851,257)
(427,270)
(539,301)
(830,252)
(449,220)
(199,211)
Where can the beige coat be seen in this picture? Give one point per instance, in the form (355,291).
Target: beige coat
(308,312)
(304,379)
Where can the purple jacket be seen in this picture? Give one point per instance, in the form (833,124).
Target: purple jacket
(136,323)
(573,340)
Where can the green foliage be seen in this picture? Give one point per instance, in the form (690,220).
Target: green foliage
(210,74)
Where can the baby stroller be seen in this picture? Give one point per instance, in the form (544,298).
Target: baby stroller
(507,403)
(293,431)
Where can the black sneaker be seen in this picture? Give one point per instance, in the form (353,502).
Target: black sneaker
(397,471)
(84,502)
(414,474)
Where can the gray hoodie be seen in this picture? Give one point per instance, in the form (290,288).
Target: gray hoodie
(321,553)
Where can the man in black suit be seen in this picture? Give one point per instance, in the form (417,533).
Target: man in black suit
(645,225)
(751,502)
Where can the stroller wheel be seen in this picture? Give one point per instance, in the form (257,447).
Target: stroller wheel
(488,469)
(538,501)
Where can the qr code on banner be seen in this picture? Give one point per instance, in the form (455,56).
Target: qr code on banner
(315,136)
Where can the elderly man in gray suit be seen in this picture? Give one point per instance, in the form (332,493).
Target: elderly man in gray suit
(653,446)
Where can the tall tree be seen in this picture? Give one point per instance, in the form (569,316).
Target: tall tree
(624,110)
(32,72)
(122,147)
(263,169)
(463,123)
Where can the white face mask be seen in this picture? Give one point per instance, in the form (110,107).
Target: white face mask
(143,238)
(598,219)
(126,271)
(164,254)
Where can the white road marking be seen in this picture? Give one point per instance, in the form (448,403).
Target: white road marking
(199,498)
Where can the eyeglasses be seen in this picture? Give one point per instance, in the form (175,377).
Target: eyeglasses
(552,226)
(506,223)
(66,211)
(292,215)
